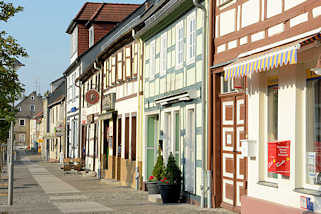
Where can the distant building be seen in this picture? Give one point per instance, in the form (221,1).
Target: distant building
(27,109)
(91,24)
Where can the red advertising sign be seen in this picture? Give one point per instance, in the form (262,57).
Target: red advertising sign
(279,157)
(317,146)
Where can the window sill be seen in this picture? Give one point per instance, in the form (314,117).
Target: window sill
(268,184)
(308,191)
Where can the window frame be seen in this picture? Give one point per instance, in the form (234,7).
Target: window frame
(305,183)
(24,122)
(179,26)
(191,33)
(163,55)
(91,36)
(152,61)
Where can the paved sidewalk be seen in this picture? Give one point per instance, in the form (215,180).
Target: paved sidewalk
(41,187)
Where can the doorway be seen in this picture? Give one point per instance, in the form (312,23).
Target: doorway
(233,164)
(151,144)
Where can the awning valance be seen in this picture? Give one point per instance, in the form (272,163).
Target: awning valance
(267,60)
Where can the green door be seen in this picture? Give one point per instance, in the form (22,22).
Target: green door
(151,140)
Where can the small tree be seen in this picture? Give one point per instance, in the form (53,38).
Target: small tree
(159,168)
(173,172)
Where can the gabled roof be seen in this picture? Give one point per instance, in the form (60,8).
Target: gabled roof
(102,12)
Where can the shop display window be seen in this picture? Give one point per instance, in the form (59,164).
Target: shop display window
(313,132)
(272,128)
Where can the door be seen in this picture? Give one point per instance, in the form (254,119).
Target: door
(234,166)
(151,143)
(105,147)
(133,137)
(83,142)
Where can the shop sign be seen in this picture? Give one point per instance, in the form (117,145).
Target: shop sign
(84,116)
(59,130)
(279,157)
(109,102)
(91,118)
(92,97)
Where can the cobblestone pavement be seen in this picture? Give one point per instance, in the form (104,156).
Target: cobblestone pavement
(42,187)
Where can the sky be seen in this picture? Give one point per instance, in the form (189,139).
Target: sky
(40,29)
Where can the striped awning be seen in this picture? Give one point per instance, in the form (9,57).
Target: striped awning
(263,62)
(268,60)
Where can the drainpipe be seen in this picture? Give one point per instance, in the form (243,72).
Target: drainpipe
(203,190)
(139,116)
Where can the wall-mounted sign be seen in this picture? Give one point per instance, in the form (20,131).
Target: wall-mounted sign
(109,102)
(73,109)
(279,157)
(91,118)
(92,97)
(60,130)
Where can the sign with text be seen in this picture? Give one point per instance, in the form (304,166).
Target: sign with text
(109,102)
(279,157)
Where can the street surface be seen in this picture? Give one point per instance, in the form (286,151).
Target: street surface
(41,187)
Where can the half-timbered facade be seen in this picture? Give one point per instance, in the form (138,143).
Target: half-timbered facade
(173,66)
(261,90)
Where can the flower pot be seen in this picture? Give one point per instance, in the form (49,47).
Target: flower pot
(152,188)
(170,193)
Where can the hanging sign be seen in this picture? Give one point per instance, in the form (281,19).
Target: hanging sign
(92,96)
(279,157)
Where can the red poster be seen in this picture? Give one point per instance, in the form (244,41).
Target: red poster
(279,157)
(272,156)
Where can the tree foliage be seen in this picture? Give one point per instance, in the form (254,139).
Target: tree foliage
(159,168)
(11,88)
(172,171)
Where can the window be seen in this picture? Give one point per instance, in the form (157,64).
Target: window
(152,62)
(227,86)
(22,138)
(179,44)
(163,55)
(21,122)
(191,38)
(224,2)
(19,109)
(73,96)
(91,36)
(32,97)
(32,108)
(313,133)
(74,41)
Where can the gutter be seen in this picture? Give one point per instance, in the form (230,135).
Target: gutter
(202,7)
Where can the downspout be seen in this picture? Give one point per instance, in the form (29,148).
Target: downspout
(202,7)
(65,119)
(79,117)
(139,116)
(99,68)
(210,105)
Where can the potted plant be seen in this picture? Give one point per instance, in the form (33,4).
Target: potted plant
(170,185)
(158,172)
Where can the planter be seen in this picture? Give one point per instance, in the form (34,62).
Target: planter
(170,193)
(152,188)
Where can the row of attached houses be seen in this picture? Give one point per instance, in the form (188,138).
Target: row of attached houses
(230,87)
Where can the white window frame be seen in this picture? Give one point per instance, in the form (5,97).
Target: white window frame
(191,37)
(91,36)
(179,40)
(152,61)
(24,122)
(74,41)
(22,138)
(279,179)
(163,55)
(304,107)
(191,135)
(32,97)
(19,109)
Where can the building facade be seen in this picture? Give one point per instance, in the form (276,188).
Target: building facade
(27,109)
(89,26)
(264,105)
(173,66)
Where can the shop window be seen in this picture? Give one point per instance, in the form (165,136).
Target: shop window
(313,133)
(272,125)
(227,86)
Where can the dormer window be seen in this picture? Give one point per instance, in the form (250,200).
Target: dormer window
(91,36)
(19,109)
(33,97)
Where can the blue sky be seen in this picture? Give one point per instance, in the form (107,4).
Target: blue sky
(40,28)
